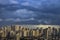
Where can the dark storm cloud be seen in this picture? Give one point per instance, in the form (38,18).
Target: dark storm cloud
(30,11)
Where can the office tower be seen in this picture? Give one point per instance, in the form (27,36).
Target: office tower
(49,31)
(6,31)
(18,36)
(12,27)
(54,33)
(25,32)
(9,30)
(16,27)
(34,32)
(21,33)
(28,30)
(41,33)
(2,34)
(45,33)
(37,32)
(12,33)
(59,34)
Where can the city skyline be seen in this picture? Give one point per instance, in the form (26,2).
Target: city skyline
(18,32)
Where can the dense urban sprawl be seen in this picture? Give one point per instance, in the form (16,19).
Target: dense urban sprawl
(24,33)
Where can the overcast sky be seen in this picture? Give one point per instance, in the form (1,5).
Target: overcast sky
(29,12)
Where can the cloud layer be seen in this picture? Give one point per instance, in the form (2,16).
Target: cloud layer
(30,11)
